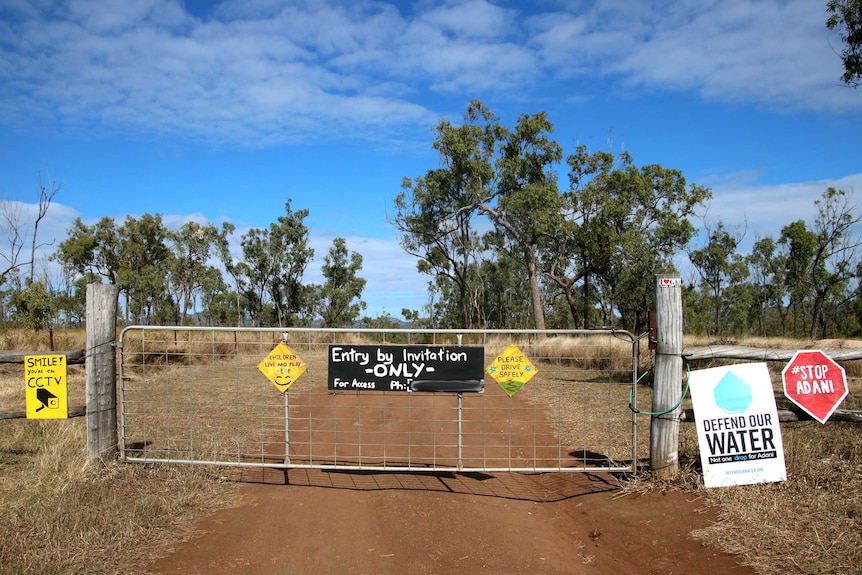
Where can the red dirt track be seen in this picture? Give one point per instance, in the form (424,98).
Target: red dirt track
(315,522)
(319,522)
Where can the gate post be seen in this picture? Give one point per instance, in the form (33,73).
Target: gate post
(101,372)
(667,387)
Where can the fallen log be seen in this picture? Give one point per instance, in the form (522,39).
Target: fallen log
(761,353)
(72,357)
(76,412)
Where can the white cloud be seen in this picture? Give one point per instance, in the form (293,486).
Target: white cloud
(267,72)
(771,52)
(246,80)
(763,210)
(392,282)
(470,19)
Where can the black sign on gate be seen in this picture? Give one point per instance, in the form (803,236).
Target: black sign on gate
(406,368)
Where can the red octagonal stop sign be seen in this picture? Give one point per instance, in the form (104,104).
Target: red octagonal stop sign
(814,382)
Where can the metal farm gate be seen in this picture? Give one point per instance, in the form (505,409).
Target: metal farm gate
(367,399)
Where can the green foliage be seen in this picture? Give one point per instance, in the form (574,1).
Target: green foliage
(166,276)
(33,307)
(623,224)
(341,293)
(274,260)
(188,267)
(722,271)
(435,214)
(143,266)
(846,16)
(590,247)
(502,244)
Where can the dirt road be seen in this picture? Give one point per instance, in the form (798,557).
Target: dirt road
(317,522)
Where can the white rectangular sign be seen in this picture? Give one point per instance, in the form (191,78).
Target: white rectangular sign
(737,425)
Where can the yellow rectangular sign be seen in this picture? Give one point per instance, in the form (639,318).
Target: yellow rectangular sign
(46,386)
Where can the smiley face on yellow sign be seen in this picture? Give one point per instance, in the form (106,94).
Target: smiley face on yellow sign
(282,367)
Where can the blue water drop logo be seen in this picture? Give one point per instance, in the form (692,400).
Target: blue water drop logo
(732,394)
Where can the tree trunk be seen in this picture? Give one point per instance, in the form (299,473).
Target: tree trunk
(535,291)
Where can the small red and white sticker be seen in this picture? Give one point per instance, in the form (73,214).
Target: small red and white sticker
(669,282)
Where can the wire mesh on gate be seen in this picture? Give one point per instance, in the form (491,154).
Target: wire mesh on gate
(196,395)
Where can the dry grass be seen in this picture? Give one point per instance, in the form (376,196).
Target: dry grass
(61,517)
(811,523)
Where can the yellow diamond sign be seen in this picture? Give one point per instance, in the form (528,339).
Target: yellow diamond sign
(282,367)
(511,370)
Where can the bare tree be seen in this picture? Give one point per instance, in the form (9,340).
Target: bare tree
(10,221)
(46,196)
(13,224)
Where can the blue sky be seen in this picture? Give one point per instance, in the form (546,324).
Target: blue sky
(215,111)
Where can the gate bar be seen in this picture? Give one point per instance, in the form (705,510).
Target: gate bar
(286,414)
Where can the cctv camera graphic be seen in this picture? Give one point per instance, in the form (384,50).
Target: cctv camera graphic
(47,399)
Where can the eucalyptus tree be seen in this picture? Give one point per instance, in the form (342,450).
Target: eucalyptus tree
(144,268)
(33,307)
(488,169)
(720,268)
(799,243)
(341,293)
(189,268)
(89,254)
(505,298)
(620,225)
(92,250)
(233,268)
(767,265)
(526,204)
(822,264)
(833,272)
(582,244)
(846,17)
(253,272)
(274,261)
(658,206)
(571,239)
(217,300)
(435,214)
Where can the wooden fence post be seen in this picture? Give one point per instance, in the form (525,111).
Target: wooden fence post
(101,372)
(667,388)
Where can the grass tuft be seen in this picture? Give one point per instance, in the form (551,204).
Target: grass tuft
(63,517)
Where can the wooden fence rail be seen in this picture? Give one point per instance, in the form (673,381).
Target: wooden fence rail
(73,412)
(792,414)
(761,354)
(76,357)
(743,353)
(99,360)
